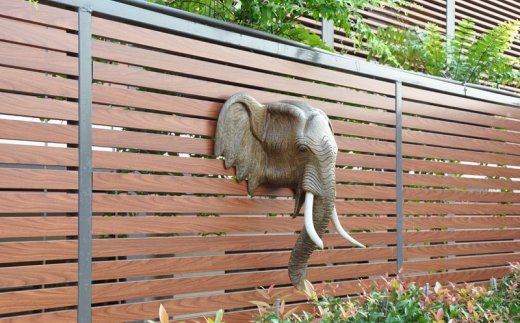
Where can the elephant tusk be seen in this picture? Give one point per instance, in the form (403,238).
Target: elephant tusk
(340,230)
(309,225)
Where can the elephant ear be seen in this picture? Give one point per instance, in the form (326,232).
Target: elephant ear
(239,136)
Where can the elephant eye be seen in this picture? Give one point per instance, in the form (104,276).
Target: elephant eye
(303,149)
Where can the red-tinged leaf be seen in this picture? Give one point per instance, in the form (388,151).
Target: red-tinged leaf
(440,314)
(282,307)
(320,287)
(264,293)
(270,289)
(290,312)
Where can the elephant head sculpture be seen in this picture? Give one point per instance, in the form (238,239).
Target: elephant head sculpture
(285,144)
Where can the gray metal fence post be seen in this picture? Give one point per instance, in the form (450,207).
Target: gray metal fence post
(327,32)
(450,19)
(399,177)
(85,165)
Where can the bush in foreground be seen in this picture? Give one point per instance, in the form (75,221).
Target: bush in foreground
(395,302)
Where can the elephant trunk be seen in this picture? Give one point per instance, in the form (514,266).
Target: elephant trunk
(322,209)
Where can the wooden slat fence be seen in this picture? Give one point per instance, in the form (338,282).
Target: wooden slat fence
(485,13)
(172,226)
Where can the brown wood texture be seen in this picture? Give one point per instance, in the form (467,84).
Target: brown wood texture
(128,312)
(188,86)
(38,179)
(381,147)
(153,59)
(49,317)
(13,252)
(37,64)
(45,15)
(36,35)
(66,296)
(208,70)
(27,300)
(191,47)
(37,59)
(38,155)
(104,270)
(420,165)
(36,131)
(33,202)
(20,130)
(62,226)
(40,84)
(461,262)
(459,276)
(51,156)
(29,106)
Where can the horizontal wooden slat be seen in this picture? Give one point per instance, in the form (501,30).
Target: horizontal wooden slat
(421,165)
(410,136)
(161,102)
(56,250)
(51,156)
(163,41)
(129,290)
(37,59)
(35,179)
(380,147)
(461,262)
(45,15)
(135,77)
(42,132)
(468,116)
(17,80)
(152,121)
(103,270)
(221,73)
(37,131)
(39,299)
(38,36)
(38,155)
(459,276)
(62,202)
(29,106)
(461,103)
(142,310)
(62,226)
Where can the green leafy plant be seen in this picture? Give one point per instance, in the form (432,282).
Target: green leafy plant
(395,302)
(466,57)
(279,17)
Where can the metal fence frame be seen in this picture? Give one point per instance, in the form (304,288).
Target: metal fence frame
(151,15)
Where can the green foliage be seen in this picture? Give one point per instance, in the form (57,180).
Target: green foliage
(279,17)
(395,302)
(467,57)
